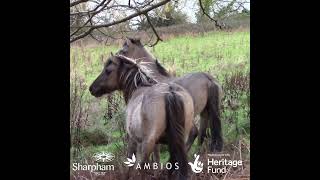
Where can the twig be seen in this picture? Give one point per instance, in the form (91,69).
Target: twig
(138,13)
(77,2)
(92,36)
(229,167)
(93,14)
(205,13)
(154,31)
(240,154)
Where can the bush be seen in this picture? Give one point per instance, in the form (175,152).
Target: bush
(236,105)
(94,137)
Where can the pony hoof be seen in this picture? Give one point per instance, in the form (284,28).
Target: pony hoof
(216,147)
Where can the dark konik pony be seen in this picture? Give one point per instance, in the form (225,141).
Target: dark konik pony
(204,89)
(154,111)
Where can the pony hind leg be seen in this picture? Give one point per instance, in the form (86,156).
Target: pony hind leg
(192,136)
(213,108)
(147,147)
(132,149)
(203,126)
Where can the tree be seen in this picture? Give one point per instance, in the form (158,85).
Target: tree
(218,10)
(105,17)
(207,6)
(167,16)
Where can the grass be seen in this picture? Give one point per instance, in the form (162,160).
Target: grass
(214,52)
(218,53)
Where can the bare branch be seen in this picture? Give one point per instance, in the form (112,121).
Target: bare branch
(143,5)
(154,31)
(93,14)
(212,19)
(77,2)
(138,13)
(92,36)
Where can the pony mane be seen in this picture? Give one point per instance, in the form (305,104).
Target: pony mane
(161,69)
(135,77)
(146,56)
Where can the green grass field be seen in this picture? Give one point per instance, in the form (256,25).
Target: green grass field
(215,52)
(225,55)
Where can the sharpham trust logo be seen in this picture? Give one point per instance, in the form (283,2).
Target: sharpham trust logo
(102,164)
(103,157)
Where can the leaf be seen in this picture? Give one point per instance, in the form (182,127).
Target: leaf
(129,160)
(130,165)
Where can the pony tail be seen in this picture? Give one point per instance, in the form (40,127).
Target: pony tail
(213,107)
(175,116)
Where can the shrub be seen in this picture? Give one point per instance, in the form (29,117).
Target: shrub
(235,104)
(94,137)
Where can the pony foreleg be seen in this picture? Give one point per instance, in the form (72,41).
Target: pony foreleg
(156,154)
(132,148)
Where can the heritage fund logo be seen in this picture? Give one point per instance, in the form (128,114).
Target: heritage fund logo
(101,165)
(197,165)
(216,163)
(131,162)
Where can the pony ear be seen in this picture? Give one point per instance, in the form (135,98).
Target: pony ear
(136,41)
(129,39)
(128,42)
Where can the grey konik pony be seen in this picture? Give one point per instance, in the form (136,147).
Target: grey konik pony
(155,111)
(204,89)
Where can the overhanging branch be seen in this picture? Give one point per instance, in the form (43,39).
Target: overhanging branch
(212,19)
(154,30)
(77,2)
(137,13)
(96,11)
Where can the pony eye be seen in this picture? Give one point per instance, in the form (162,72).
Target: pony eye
(123,51)
(108,63)
(108,71)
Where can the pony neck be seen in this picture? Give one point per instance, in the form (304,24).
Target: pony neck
(131,81)
(160,72)
(147,56)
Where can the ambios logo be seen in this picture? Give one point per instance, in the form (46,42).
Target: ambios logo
(101,165)
(131,162)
